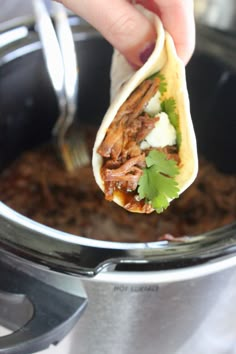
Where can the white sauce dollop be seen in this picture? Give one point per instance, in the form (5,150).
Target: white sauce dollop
(154,105)
(161,135)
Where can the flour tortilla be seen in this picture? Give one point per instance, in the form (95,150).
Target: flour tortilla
(124,81)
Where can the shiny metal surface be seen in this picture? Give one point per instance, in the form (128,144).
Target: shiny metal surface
(68,52)
(143,298)
(47,247)
(150,318)
(51,50)
(15,310)
(181,318)
(16,8)
(220,14)
(78,255)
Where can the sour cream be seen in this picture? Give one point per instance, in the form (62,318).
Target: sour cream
(161,135)
(154,105)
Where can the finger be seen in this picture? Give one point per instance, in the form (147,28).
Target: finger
(121,24)
(178,19)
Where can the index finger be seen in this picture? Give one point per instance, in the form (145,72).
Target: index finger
(178,19)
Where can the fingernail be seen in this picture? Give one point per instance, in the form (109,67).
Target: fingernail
(146,52)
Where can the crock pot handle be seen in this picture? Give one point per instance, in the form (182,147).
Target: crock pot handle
(54,312)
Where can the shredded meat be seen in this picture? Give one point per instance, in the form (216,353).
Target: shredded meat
(125,177)
(138,109)
(134,99)
(131,108)
(120,148)
(147,125)
(127,167)
(171,152)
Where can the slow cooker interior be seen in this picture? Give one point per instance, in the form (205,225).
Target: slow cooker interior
(29,108)
(28,104)
(211,85)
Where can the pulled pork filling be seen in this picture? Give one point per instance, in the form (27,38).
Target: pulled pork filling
(123,158)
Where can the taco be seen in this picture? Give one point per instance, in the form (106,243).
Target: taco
(145,151)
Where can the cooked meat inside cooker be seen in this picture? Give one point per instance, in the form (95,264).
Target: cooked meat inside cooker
(37,186)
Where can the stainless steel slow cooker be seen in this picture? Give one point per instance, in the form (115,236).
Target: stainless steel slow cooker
(109,297)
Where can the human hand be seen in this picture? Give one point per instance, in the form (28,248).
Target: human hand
(131,33)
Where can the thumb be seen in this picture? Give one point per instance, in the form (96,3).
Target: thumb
(121,24)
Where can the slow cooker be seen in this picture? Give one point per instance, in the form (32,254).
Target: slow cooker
(110,297)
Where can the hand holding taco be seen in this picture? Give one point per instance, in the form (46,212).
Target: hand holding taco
(145,152)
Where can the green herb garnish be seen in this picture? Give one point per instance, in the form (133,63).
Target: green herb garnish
(169,107)
(157,184)
(163,84)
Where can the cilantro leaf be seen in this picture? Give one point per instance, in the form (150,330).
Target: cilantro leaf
(168,189)
(147,185)
(163,83)
(169,107)
(159,160)
(157,184)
